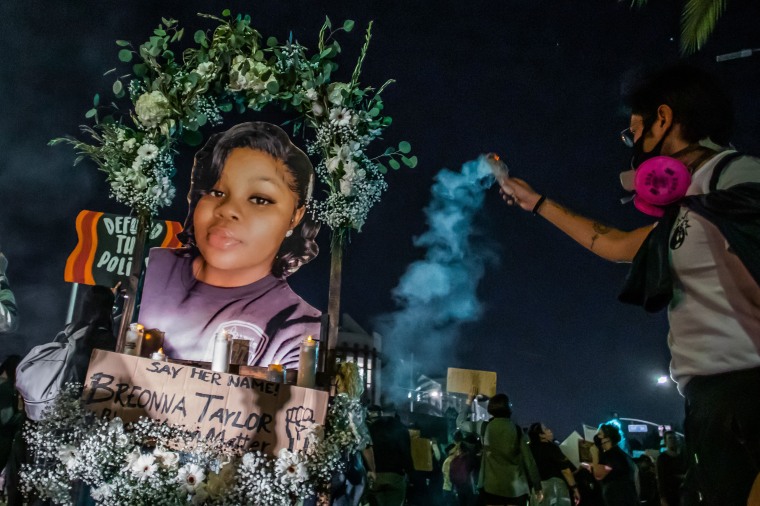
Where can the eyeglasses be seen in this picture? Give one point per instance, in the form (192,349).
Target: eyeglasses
(627,137)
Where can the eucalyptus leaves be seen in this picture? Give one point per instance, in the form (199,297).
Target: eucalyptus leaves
(171,95)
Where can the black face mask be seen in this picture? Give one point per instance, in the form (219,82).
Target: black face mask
(639,155)
(598,442)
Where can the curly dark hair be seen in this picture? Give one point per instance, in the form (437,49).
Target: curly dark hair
(299,248)
(612,431)
(699,102)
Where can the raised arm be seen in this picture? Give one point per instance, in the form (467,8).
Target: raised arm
(607,242)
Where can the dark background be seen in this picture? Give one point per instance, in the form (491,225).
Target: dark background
(537,81)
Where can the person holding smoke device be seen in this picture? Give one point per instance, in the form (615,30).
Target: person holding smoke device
(701,260)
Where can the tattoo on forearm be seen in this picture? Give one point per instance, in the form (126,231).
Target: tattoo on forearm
(599,229)
(565,210)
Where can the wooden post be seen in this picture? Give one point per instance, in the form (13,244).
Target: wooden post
(333,304)
(130,296)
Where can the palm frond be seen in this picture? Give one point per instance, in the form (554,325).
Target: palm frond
(698,21)
(638,3)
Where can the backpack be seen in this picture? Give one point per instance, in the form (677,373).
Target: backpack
(45,370)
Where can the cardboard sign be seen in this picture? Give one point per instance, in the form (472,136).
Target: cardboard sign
(462,380)
(422,454)
(250,413)
(103,255)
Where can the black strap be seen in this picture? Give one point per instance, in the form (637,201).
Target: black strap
(719,167)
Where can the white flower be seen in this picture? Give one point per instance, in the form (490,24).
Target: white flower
(132,457)
(102,493)
(147,151)
(335,93)
(166,458)
(205,69)
(311,94)
(340,116)
(115,424)
(144,467)
(318,109)
(69,456)
(152,108)
(333,164)
(129,145)
(346,186)
(190,477)
(290,467)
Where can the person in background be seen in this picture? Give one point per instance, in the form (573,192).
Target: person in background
(508,471)
(393,458)
(348,489)
(554,468)
(614,468)
(671,468)
(648,494)
(8,308)
(699,260)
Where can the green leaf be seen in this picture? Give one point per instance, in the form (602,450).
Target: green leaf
(272,42)
(404,147)
(202,119)
(91,113)
(226,13)
(118,87)
(258,55)
(160,32)
(273,87)
(96,100)
(698,21)
(374,112)
(122,43)
(387,120)
(192,138)
(227,107)
(382,168)
(180,33)
(199,36)
(394,164)
(328,23)
(348,25)
(140,69)
(125,55)
(410,162)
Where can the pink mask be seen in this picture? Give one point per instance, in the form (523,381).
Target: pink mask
(658,182)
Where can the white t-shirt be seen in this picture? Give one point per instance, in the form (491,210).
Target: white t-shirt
(715,311)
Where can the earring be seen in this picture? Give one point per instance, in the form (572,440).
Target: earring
(288,233)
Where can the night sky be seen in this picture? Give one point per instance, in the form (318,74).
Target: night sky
(539,82)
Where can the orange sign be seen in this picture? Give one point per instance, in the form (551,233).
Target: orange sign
(103,255)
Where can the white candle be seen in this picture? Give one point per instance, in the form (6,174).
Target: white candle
(158,355)
(220,361)
(307,363)
(133,339)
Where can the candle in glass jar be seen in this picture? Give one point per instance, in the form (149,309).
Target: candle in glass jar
(220,361)
(276,373)
(158,355)
(307,363)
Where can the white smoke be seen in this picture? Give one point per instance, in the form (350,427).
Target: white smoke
(437,294)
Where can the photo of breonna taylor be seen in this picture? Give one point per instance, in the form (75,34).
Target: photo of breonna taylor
(247,229)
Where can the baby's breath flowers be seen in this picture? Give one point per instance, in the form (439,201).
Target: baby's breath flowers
(149,462)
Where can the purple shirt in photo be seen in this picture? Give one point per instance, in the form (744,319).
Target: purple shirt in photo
(267,314)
